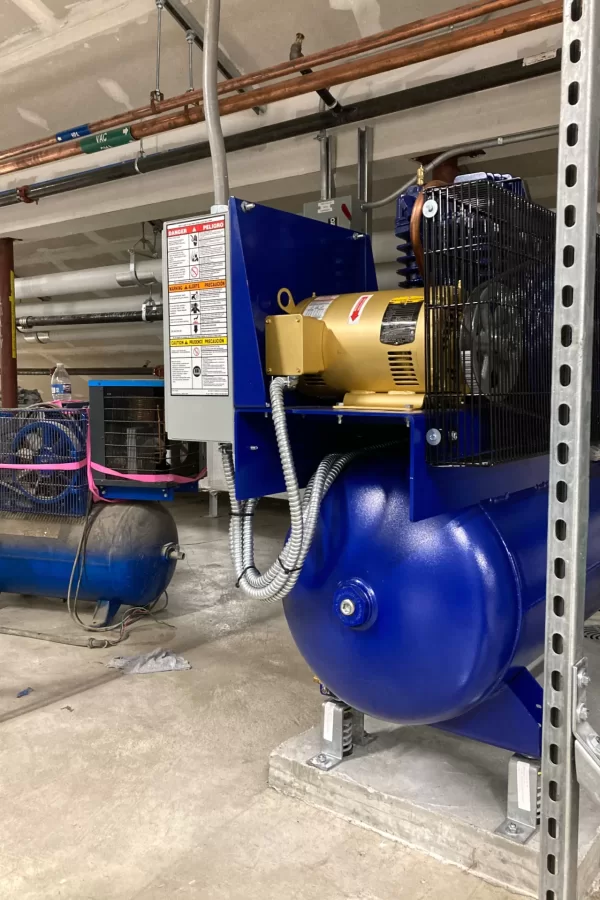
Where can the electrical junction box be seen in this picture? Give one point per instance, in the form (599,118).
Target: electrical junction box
(197,315)
(337,211)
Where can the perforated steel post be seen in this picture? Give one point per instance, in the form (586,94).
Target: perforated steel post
(570,441)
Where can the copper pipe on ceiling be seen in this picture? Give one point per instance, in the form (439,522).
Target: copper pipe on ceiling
(124,118)
(341,51)
(352,48)
(466,38)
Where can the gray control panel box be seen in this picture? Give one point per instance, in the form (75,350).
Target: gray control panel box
(197,328)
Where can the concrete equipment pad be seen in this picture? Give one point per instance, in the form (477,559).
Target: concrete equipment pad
(436,792)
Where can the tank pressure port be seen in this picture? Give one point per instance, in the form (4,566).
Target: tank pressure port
(173,551)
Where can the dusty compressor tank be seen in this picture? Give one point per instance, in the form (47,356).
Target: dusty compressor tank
(129,556)
(420,622)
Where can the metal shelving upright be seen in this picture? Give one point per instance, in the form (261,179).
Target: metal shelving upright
(571,751)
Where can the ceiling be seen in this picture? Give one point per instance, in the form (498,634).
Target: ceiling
(63,64)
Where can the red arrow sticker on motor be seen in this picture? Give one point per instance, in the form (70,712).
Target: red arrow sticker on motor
(358,308)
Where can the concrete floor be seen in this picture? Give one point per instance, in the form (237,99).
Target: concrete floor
(144,787)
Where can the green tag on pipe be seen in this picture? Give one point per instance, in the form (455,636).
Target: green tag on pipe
(114,138)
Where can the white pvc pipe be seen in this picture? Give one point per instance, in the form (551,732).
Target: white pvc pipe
(102,278)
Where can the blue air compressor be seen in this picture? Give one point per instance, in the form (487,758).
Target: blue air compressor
(417,422)
(55,541)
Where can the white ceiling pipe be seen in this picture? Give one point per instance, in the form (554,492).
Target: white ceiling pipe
(74,307)
(102,278)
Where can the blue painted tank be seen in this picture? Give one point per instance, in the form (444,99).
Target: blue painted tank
(418,622)
(130,555)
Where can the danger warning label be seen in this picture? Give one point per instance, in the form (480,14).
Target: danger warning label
(197,276)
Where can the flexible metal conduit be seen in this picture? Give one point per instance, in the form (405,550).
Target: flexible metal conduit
(342,51)
(467,38)
(102,278)
(432,92)
(282,575)
(487,144)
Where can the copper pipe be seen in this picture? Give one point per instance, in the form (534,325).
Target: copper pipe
(123,118)
(471,36)
(467,38)
(351,48)
(8,331)
(341,51)
(415,223)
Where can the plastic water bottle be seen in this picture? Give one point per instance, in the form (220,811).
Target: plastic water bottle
(60,383)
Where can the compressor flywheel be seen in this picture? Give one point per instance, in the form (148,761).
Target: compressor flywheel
(491,341)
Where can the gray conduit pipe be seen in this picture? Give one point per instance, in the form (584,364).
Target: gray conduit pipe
(211,102)
(551,131)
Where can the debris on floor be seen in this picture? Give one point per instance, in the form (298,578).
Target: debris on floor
(146,663)
(24,692)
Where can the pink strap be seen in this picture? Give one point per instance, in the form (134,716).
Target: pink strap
(147,479)
(152,479)
(87,463)
(46,467)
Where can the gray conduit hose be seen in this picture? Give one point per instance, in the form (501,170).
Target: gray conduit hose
(462,151)
(211,102)
(282,575)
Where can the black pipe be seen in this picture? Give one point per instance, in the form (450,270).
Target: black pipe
(154,314)
(325,94)
(103,371)
(435,92)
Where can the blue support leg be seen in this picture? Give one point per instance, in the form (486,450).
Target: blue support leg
(104,612)
(511,718)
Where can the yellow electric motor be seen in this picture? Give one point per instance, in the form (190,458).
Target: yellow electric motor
(370,348)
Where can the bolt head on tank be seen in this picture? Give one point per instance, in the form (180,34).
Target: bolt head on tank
(354,603)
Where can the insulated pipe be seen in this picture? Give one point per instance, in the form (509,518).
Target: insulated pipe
(467,38)
(551,131)
(8,337)
(342,51)
(99,279)
(512,72)
(210,60)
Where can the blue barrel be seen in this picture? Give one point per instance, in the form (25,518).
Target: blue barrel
(418,622)
(130,555)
